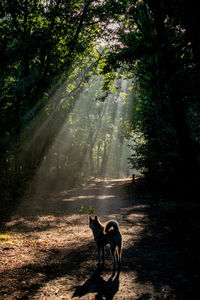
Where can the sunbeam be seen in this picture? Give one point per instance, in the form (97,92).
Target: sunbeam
(89,140)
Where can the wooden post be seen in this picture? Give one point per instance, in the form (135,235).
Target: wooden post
(133,178)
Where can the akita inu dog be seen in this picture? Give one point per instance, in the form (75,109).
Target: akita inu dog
(108,234)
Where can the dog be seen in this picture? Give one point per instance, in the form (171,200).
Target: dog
(108,234)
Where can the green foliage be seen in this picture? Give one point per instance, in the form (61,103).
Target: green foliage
(40,41)
(91,209)
(157,45)
(83,210)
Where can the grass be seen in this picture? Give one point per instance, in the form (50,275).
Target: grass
(7,239)
(4,237)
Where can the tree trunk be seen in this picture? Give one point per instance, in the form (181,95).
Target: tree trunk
(91,160)
(98,159)
(103,166)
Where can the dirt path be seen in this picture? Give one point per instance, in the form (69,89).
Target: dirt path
(47,250)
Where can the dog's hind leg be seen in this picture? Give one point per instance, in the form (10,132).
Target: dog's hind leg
(118,255)
(113,250)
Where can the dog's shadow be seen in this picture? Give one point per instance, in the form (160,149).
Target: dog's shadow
(104,289)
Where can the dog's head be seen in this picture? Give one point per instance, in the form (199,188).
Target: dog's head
(94,222)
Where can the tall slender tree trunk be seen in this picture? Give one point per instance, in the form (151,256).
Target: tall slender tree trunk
(98,159)
(103,166)
(91,160)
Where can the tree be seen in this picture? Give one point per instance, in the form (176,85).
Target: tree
(157,45)
(40,40)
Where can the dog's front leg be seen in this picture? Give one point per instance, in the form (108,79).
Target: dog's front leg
(99,256)
(103,256)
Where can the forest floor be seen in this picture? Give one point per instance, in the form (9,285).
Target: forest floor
(47,250)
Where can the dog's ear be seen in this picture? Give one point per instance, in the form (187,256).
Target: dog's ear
(96,219)
(90,218)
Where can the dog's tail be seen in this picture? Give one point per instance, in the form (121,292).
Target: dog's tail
(111,224)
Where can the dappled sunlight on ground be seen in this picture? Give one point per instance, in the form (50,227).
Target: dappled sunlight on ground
(48,251)
(69,202)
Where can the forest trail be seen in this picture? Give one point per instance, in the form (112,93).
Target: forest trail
(48,252)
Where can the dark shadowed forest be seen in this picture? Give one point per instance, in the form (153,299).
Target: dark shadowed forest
(100,115)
